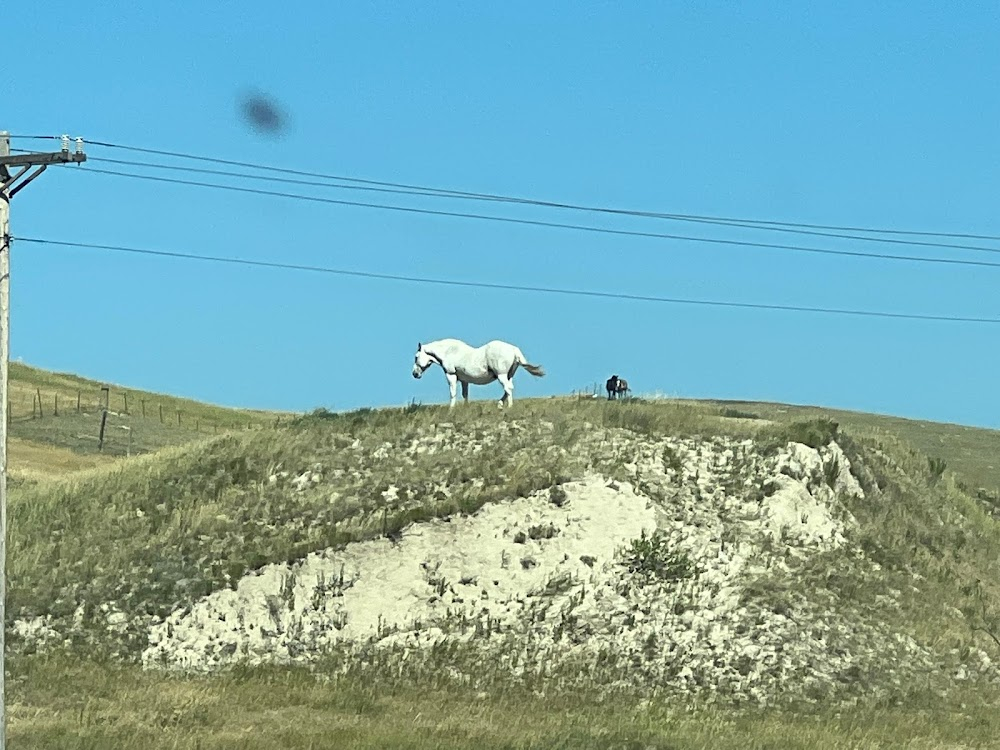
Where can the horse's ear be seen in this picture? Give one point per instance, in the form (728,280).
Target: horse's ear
(419,346)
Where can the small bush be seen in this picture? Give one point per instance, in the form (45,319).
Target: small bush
(815,433)
(543,532)
(651,556)
(558,496)
(737,414)
(936,467)
(831,471)
(671,461)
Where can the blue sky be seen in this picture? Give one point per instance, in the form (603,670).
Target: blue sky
(851,113)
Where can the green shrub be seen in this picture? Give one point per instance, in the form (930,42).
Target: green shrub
(650,556)
(731,413)
(815,433)
(936,467)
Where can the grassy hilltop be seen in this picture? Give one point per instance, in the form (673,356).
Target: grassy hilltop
(569,573)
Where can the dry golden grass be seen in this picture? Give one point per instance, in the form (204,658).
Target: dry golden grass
(65,703)
(36,461)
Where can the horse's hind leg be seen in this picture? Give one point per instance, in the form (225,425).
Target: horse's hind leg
(508,389)
(465,391)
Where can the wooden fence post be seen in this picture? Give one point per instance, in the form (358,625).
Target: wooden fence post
(161,413)
(125,400)
(55,410)
(143,403)
(78,402)
(178,417)
(100,439)
(39,392)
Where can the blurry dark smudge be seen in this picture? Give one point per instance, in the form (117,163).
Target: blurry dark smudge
(262,114)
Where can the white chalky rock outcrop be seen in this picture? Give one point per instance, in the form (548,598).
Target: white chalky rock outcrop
(471,564)
(543,582)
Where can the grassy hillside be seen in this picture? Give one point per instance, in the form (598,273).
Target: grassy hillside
(27,381)
(56,420)
(889,640)
(102,557)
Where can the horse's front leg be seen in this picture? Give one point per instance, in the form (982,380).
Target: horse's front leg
(452,386)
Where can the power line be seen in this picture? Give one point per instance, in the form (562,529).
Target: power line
(267,178)
(759,223)
(772,224)
(549,224)
(506,287)
(301,173)
(429,192)
(750,224)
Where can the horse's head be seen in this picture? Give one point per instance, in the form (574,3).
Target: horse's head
(421,361)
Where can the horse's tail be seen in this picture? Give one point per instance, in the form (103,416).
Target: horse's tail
(535,370)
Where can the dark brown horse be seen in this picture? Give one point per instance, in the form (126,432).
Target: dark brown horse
(616,387)
(611,386)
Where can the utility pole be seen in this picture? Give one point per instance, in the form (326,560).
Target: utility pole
(10,185)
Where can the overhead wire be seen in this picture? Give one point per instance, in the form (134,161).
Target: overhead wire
(485,197)
(423,191)
(507,287)
(761,223)
(271,178)
(548,224)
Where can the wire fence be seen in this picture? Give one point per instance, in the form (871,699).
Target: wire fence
(116,422)
(23,406)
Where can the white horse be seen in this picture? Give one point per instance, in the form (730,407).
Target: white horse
(465,364)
